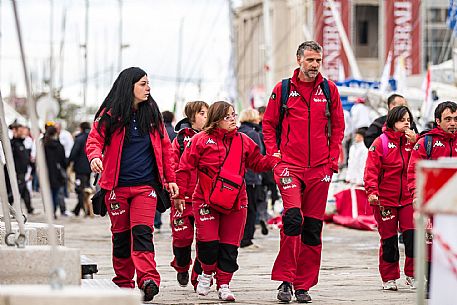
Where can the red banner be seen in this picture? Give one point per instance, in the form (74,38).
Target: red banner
(326,33)
(402,26)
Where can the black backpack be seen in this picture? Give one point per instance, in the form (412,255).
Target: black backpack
(285,88)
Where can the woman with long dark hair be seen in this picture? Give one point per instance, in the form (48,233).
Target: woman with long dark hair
(386,185)
(129,145)
(220,155)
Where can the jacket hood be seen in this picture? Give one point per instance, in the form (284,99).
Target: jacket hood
(184,123)
(219,132)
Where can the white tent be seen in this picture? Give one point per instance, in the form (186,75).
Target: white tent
(11,115)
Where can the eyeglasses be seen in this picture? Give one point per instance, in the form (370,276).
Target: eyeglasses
(228,117)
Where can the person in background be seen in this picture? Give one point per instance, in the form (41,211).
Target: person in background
(360,114)
(67,141)
(386,186)
(57,165)
(219,232)
(182,224)
(81,165)
(357,158)
(375,128)
(249,119)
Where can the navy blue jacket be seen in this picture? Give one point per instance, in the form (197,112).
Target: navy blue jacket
(252,131)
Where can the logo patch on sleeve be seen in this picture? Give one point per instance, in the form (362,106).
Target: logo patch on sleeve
(372,148)
(273,96)
(416,147)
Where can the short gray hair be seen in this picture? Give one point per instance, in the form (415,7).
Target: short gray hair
(309,45)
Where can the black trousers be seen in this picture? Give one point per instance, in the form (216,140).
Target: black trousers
(82,181)
(249,229)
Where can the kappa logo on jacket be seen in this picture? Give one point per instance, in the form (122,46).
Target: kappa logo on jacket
(285,173)
(327,178)
(210,141)
(186,139)
(438,144)
(391,145)
(153,194)
(293,94)
(319,91)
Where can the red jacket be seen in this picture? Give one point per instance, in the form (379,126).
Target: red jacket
(444,144)
(111,158)
(187,134)
(304,140)
(206,152)
(386,172)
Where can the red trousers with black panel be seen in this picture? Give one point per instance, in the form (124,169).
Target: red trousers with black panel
(218,239)
(131,211)
(182,231)
(389,220)
(304,194)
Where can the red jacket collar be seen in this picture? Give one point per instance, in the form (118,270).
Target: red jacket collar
(294,80)
(220,133)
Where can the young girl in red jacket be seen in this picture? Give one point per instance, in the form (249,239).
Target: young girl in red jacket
(386,186)
(128,144)
(182,223)
(219,219)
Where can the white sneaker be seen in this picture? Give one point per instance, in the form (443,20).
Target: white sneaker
(225,294)
(411,282)
(204,284)
(390,285)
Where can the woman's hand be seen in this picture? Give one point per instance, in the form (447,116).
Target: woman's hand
(173,189)
(410,135)
(180,205)
(96,165)
(373,199)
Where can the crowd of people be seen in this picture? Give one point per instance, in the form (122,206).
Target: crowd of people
(218,176)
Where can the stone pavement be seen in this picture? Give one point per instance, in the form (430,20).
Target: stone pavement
(349,272)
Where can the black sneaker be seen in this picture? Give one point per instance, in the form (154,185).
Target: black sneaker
(285,292)
(183,278)
(150,289)
(302,296)
(245,243)
(263,225)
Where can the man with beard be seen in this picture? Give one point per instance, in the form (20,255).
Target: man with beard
(307,129)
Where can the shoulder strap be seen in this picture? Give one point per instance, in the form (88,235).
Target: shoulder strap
(428,143)
(384,142)
(326,90)
(232,162)
(180,139)
(285,88)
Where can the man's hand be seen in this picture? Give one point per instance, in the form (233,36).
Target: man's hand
(96,165)
(173,189)
(180,205)
(373,199)
(410,135)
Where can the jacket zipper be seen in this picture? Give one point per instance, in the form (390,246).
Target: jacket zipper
(117,161)
(287,135)
(309,134)
(401,176)
(450,144)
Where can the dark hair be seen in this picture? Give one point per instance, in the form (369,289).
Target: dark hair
(396,114)
(50,133)
(261,109)
(216,113)
(309,45)
(168,116)
(192,108)
(443,106)
(392,98)
(116,110)
(361,131)
(84,125)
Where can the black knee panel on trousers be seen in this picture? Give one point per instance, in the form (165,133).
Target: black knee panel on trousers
(390,252)
(121,244)
(227,258)
(182,255)
(311,232)
(142,238)
(292,221)
(207,251)
(408,240)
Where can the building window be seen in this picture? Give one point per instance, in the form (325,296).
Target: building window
(366,31)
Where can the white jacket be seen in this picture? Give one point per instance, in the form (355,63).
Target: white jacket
(356,163)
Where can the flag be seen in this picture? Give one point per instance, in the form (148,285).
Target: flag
(386,74)
(427,104)
(400,74)
(452,15)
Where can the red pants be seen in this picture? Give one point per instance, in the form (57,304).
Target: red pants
(218,240)
(304,194)
(182,231)
(131,211)
(389,221)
